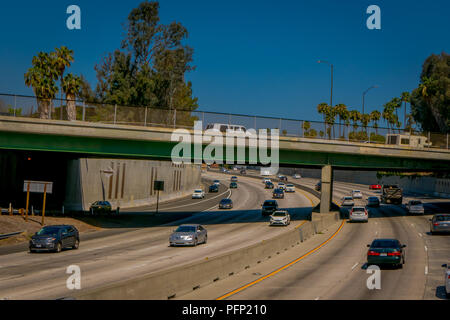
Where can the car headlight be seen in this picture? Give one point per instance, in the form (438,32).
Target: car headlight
(187,237)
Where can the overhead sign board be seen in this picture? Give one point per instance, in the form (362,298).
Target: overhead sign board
(38,186)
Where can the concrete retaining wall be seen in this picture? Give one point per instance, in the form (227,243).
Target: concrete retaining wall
(177,281)
(126,183)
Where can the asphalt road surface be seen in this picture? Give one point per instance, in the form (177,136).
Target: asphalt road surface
(118,255)
(338,270)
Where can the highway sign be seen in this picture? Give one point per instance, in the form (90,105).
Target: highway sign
(37,186)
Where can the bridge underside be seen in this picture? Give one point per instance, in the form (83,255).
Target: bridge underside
(161,150)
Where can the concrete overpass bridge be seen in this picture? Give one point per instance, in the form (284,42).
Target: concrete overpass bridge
(88,139)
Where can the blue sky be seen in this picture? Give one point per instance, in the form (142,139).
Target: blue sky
(252,57)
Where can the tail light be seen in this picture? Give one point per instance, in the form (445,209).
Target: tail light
(365,212)
(436,224)
(395,254)
(373,253)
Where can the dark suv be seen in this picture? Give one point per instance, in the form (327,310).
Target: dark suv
(55,238)
(269,207)
(278,193)
(99,207)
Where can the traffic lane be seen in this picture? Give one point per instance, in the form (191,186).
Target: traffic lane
(335,271)
(185,203)
(407,283)
(137,258)
(438,253)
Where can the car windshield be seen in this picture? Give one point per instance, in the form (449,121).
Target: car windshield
(356,191)
(277,191)
(225,201)
(289,185)
(198,191)
(348,198)
(415,203)
(442,218)
(373,198)
(384,244)
(269,203)
(185,229)
(358,209)
(48,231)
(279,214)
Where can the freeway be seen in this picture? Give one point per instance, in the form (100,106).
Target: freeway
(338,269)
(125,255)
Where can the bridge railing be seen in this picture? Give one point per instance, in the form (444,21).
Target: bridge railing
(28,106)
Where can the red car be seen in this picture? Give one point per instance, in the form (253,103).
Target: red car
(374,187)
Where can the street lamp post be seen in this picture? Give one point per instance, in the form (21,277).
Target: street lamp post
(364,93)
(331,65)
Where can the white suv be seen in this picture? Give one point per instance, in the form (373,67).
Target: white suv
(356,194)
(198,194)
(359,214)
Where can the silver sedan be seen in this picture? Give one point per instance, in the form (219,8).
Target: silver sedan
(188,235)
(440,223)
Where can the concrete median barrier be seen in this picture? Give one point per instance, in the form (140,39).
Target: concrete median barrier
(180,280)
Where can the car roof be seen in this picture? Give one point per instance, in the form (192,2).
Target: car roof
(359,208)
(190,225)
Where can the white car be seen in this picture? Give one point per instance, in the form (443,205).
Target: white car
(198,194)
(415,207)
(347,201)
(296,176)
(290,188)
(281,186)
(359,214)
(447,279)
(357,194)
(280,217)
(217,182)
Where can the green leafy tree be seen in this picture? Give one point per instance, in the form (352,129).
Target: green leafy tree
(430,102)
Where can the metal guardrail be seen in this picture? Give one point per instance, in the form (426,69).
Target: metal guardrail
(29,106)
(8,235)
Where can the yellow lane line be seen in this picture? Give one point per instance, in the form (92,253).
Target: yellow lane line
(282,268)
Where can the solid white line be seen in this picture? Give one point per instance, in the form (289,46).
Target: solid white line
(426,249)
(426,269)
(317,298)
(195,203)
(355,265)
(420,234)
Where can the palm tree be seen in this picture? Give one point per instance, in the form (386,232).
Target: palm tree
(41,77)
(406,97)
(365,119)
(355,116)
(375,117)
(322,108)
(346,117)
(71,85)
(63,57)
(340,110)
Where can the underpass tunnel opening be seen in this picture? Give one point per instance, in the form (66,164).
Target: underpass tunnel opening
(18,166)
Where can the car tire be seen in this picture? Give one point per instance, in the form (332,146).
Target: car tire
(32,251)
(76,245)
(206,239)
(195,242)
(58,247)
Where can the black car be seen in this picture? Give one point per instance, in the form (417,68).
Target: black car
(226,204)
(55,238)
(386,251)
(214,188)
(101,207)
(269,207)
(269,185)
(278,193)
(283,178)
(318,186)
(233,185)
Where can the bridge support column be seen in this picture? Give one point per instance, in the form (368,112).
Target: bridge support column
(326,194)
